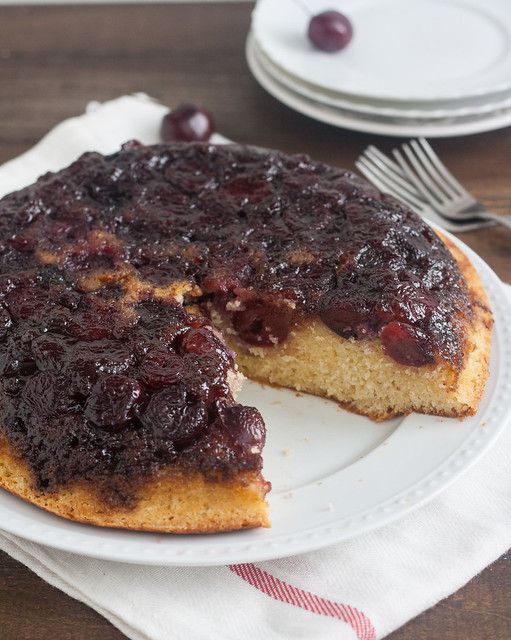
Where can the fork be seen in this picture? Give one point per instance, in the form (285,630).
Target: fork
(422,181)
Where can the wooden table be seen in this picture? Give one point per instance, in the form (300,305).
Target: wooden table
(55,59)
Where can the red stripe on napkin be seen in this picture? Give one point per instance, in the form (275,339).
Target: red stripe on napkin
(285,592)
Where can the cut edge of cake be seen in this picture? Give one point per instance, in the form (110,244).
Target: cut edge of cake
(174,500)
(361,378)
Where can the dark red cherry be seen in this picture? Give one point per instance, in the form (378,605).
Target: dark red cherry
(262,324)
(330,31)
(244,424)
(160,368)
(203,342)
(348,316)
(88,360)
(112,401)
(171,418)
(406,344)
(50,352)
(43,395)
(187,123)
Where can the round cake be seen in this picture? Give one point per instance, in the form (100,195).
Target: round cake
(135,288)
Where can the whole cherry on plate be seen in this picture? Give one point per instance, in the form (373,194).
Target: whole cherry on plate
(330,31)
(187,123)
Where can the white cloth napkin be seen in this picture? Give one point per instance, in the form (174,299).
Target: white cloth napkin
(363,588)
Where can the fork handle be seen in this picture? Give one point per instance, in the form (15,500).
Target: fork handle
(488,215)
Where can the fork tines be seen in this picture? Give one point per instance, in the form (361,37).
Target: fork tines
(427,173)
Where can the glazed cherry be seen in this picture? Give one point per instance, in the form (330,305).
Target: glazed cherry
(50,352)
(204,342)
(87,360)
(172,419)
(348,316)
(43,396)
(330,31)
(187,123)
(406,345)
(244,424)
(160,368)
(112,401)
(261,324)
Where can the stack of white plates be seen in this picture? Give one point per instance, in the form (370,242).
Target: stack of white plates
(413,68)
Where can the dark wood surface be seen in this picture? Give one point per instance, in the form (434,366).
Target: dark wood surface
(55,59)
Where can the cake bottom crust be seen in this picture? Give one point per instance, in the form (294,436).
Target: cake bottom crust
(174,501)
(358,374)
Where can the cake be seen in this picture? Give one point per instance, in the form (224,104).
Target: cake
(137,288)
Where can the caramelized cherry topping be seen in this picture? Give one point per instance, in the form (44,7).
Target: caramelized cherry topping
(104,376)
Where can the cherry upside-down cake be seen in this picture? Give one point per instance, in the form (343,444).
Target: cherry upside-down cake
(133,286)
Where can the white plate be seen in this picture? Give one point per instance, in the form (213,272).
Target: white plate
(473,107)
(401,49)
(368,123)
(334,474)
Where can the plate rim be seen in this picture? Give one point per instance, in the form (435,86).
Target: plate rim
(343,101)
(346,120)
(312,538)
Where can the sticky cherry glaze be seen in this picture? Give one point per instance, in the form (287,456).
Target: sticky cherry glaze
(99,385)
